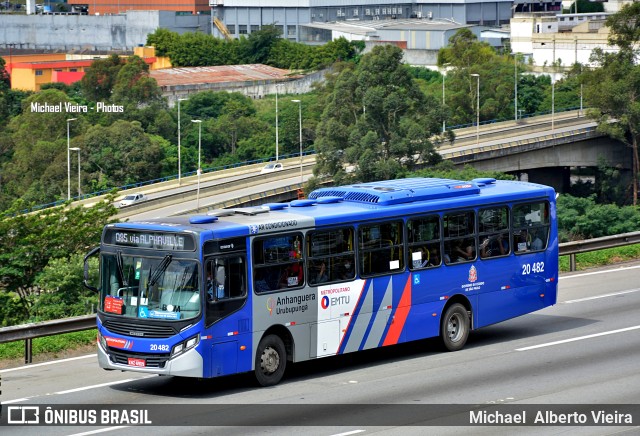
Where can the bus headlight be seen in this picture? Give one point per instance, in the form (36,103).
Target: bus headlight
(185,345)
(103,341)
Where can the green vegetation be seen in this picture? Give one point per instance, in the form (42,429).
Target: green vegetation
(49,344)
(41,262)
(264,46)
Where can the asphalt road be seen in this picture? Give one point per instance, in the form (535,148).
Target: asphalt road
(585,351)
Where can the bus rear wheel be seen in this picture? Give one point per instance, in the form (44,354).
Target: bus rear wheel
(454,328)
(271,361)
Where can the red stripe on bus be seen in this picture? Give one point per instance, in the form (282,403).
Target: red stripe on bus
(400,317)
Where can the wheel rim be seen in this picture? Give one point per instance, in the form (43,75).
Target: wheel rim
(269,361)
(454,327)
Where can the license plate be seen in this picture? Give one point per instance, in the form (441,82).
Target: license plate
(137,362)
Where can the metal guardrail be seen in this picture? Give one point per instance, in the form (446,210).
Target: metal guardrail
(27,332)
(576,247)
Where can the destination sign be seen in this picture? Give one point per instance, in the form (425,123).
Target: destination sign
(153,240)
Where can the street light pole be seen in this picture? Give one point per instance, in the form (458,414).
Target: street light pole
(78,150)
(477,76)
(444,122)
(69,160)
(277,86)
(553,103)
(580,113)
(179,161)
(515,81)
(300,123)
(199,122)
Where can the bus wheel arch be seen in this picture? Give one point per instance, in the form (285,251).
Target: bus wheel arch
(455,323)
(274,350)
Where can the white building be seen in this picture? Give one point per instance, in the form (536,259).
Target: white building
(559,40)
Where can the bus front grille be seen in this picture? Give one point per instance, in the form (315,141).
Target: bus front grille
(139,330)
(121,357)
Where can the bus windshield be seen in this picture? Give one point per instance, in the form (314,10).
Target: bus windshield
(150,287)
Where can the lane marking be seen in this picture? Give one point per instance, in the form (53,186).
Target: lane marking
(69,391)
(549,344)
(102,430)
(35,365)
(624,268)
(346,433)
(17,400)
(101,385)
(613,294)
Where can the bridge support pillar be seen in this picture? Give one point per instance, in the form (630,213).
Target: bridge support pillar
(557,177)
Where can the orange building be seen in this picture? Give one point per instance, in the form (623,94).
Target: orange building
(30,72)
(103,7)
(31,76)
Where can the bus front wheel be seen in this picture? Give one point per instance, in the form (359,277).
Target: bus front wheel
(271,360)
(455,326)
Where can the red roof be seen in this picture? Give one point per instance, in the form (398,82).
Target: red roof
(218,74)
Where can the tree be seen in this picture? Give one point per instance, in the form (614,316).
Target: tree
(612,89)
(376,122)
(28,242)
(259,43)
(163,40)
(465,55)
(37,169)
(121,153)
(97,83)
(5,81)
(133,85)
(63,294)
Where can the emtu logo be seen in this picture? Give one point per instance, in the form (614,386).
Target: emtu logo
(324,302)
(270,305)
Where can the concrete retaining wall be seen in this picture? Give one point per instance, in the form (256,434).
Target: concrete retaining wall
(93,32)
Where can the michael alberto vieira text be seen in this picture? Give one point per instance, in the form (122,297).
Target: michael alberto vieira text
(549,417)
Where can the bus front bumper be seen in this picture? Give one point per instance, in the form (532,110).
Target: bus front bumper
(188,364)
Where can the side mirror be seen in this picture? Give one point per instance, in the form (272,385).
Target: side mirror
(86,269)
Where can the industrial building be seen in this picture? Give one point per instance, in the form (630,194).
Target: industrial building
(241,17)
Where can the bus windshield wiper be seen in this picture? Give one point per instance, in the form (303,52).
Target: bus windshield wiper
(160,270)
(119,263)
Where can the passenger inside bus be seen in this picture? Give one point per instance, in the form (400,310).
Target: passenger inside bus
(293,275)
(320,270)
(494,245)
(345,270)
(460,250)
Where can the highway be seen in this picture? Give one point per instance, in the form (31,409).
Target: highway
(584,350)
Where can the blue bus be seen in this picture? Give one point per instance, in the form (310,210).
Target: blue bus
(347,269)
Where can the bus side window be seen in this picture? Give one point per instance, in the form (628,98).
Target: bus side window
(493,227)
(530,227)
(275,259)
(381,248)
(329,252)
(460,237)
(424,242)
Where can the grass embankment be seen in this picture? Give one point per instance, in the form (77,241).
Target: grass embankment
(605,257)
(60,345)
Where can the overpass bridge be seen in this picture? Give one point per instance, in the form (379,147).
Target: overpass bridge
(539,149)
(542,148)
